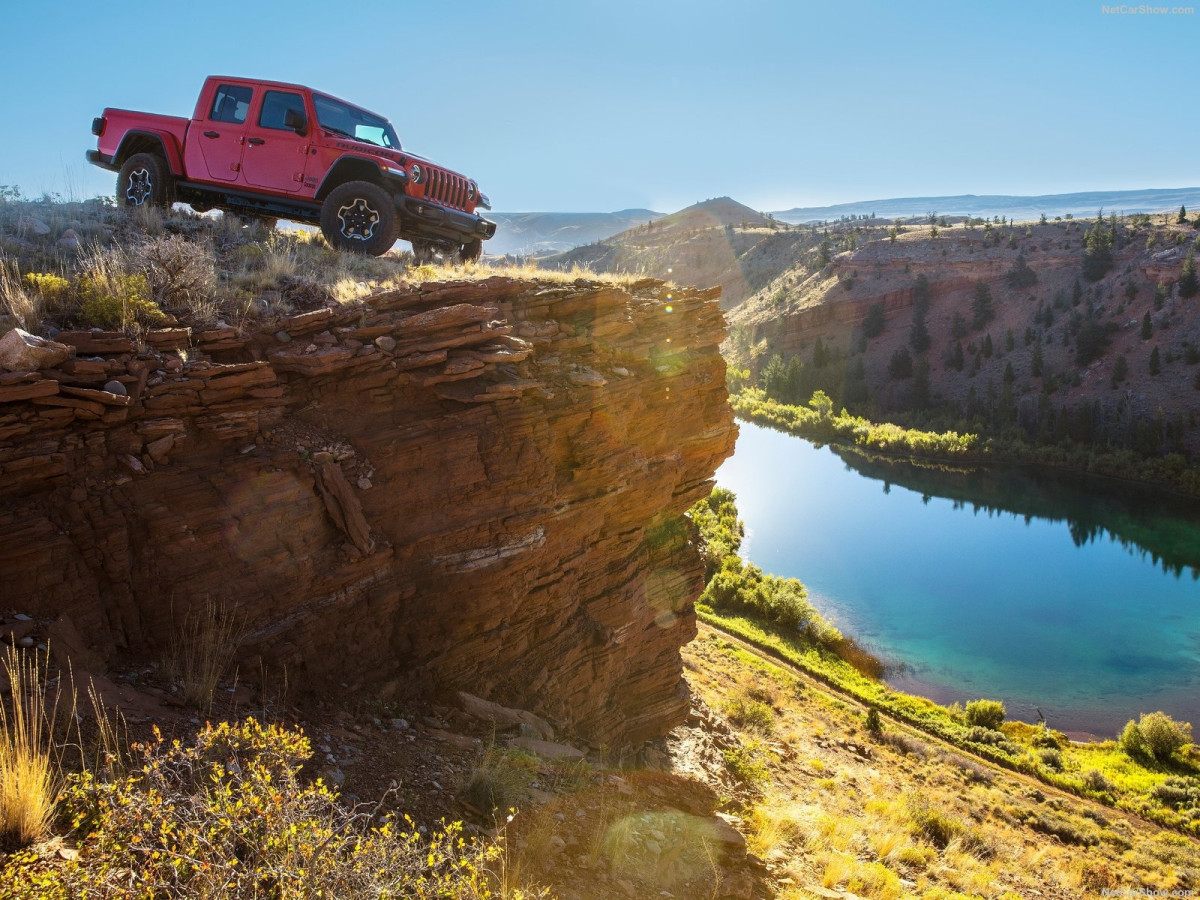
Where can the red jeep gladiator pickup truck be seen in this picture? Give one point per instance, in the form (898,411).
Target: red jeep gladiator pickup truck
(266,149)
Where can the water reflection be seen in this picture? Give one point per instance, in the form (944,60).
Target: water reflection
(1077,596)
(1153,524)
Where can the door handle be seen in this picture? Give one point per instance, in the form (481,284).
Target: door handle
(255,141)
(212,134)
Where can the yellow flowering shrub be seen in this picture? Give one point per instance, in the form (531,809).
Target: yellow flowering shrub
(228,816)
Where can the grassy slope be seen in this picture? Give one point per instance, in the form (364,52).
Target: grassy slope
(915,819)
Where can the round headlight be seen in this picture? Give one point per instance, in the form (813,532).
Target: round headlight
(471,190)
(416,174)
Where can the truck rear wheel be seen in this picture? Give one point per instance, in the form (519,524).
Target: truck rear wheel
(360,217)
(145,180)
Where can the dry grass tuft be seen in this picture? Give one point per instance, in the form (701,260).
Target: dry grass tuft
(30,772)
(202,650)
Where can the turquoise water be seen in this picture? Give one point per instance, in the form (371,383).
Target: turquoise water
(1080,598)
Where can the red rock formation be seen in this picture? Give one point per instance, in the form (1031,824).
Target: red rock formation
(467,485)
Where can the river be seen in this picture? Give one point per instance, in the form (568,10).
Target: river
(1078,597)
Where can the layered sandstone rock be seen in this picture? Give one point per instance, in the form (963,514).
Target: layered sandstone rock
(470,485)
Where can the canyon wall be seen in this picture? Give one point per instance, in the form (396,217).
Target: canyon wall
(465,485)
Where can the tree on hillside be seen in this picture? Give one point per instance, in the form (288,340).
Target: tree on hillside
(873,323)
(1182,220)
(900,365)
(918,334)
(958,326)
(774,378)
(1092,337)
(1020,275)
(1187,280)
(1120,370)
(1097,252)
(1147,327)
(955,359)
(821,355)
(1155,362)
(981,306)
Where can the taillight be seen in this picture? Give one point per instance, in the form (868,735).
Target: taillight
(98,124)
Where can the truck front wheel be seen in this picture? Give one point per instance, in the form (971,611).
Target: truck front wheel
(471,250)
(360,217)
(145,180)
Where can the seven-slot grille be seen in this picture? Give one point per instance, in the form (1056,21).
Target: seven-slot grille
(447,189)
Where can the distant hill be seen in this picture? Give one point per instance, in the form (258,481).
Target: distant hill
(718,241)
(1020,208)
(719,211)
(539,233)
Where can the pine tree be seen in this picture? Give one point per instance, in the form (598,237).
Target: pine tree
(1147,327)
(1182,220)
(1187,280)
(1120,370)
(981,306)
(1155,362)
(1097,253)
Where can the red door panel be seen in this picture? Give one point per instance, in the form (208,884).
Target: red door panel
(220,137)
(275,155)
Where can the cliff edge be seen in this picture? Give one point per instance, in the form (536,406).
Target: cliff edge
(461,485)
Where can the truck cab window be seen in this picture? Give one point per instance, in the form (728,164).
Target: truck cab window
(231,103)
(275,107)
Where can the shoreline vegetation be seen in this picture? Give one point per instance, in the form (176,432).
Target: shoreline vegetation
(774,615)
(817,421)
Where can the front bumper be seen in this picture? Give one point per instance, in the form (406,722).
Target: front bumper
(430,221)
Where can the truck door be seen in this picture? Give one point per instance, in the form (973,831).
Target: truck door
(277,143)
(221,136)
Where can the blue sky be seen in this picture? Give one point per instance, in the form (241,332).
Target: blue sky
(586,105)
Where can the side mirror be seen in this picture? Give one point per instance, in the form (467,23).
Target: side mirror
(295,120)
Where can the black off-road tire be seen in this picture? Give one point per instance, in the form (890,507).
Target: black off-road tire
(423,252)
(145,180)
(360,217)
(471,251)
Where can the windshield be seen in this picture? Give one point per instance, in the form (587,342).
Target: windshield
(352,122)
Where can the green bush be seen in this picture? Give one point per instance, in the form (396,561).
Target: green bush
(1132,742)
(117,301)
(1093,780)
(1052,759)
(985,713)
(1163,735)
(53,288)
(752,714)
(745,764)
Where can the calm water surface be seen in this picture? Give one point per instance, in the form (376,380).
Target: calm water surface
(1080,598)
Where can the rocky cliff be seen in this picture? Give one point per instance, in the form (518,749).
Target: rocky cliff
(468,485)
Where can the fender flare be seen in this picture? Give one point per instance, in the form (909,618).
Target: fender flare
(142,141)
(366,169)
